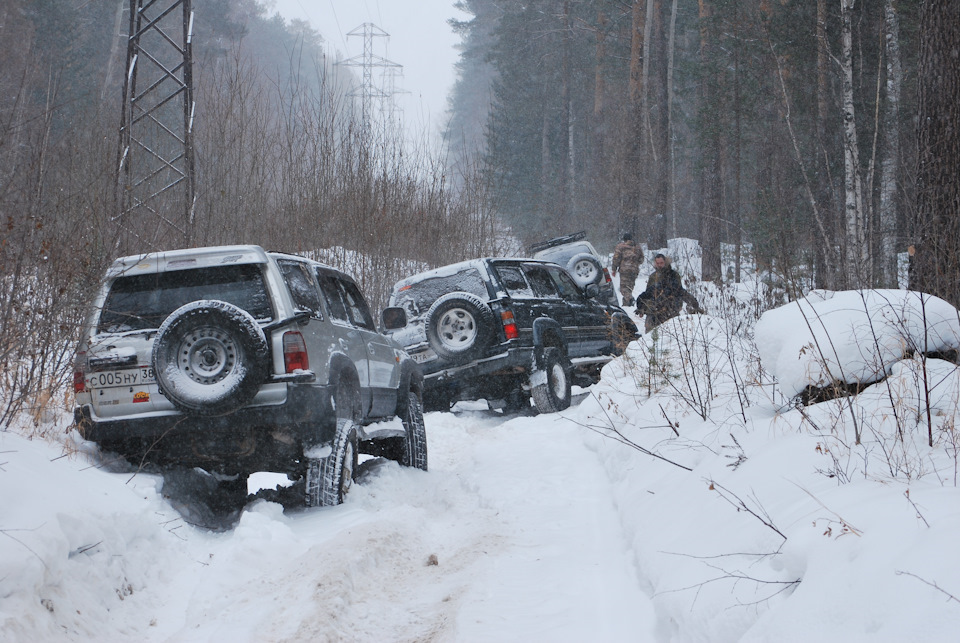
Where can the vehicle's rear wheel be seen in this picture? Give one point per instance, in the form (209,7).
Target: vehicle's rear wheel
(329,478)
(457,324)
(415,440)
(585,269)
(550,385)
(210,357)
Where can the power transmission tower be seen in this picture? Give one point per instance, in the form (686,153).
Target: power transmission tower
(368,62)
(156,169)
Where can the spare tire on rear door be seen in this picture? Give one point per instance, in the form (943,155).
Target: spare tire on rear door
(210,357)
(458,324)
(585,269)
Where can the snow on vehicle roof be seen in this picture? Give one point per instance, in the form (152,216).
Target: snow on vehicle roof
(187,258)
(851,336)
(454,268)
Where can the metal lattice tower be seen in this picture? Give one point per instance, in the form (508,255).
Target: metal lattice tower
(368,62)
(155,169)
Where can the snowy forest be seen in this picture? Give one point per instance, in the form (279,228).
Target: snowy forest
(820,134)
(782,465)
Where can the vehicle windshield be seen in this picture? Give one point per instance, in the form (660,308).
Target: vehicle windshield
(417,297)
(140,302)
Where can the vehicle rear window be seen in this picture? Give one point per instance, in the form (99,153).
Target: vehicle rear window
(513,280)
(139,302)
(416,298)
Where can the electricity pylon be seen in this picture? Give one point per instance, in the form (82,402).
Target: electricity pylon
(155,162)
(367,62)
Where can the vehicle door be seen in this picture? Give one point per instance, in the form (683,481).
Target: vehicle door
(591,320)
(371,352)
(305,292)
(551,303)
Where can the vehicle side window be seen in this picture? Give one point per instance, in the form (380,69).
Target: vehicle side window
(513,280)
(356,305)
(543,285)
(565,284)
(301,284)
(331,293)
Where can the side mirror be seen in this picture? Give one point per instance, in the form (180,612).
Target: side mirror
(394,317)
(592,290)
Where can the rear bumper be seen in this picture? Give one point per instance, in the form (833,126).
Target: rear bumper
(268,437)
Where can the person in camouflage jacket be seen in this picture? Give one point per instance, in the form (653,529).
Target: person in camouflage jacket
(627,257)
(664,296)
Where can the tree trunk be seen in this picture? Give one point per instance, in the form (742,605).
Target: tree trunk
(636,90)
(671,192)
(856,253)
(826,270)
(710,177)
(936,266)
(891,154)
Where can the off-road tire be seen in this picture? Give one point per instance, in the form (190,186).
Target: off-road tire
(328,479)
(585,269)
(551,384)
(458,324)
(210,358)
(415,440)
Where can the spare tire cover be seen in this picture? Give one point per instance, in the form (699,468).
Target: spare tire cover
(210,357)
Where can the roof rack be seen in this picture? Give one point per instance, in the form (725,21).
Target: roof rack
(558,241)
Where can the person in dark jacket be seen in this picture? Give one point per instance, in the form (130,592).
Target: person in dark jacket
(664,296)
(627,257)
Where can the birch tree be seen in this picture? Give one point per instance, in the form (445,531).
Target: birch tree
(856,253)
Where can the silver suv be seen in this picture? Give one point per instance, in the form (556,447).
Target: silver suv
(580,259)
(236,360)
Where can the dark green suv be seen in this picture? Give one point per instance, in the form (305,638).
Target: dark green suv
(506,330)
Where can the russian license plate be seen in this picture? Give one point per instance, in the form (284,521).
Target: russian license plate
(125,377)
(424,356)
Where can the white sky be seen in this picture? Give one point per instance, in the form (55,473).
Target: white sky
(420,40)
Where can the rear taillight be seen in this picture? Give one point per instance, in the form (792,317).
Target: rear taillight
(509,324)
(295,352)
(606,275)
(79,382)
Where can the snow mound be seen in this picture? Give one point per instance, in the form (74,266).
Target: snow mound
(852,336)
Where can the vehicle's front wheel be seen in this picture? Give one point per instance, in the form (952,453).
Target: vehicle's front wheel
(415,440)
(550,385)
(329,478)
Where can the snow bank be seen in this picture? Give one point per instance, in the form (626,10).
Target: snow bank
(852,336)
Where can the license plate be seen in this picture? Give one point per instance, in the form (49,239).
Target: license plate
(125,377)
(423,356)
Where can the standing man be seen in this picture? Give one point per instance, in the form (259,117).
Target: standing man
(627,257)
(664,296)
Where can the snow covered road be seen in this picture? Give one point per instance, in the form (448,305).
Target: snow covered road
(512,535)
